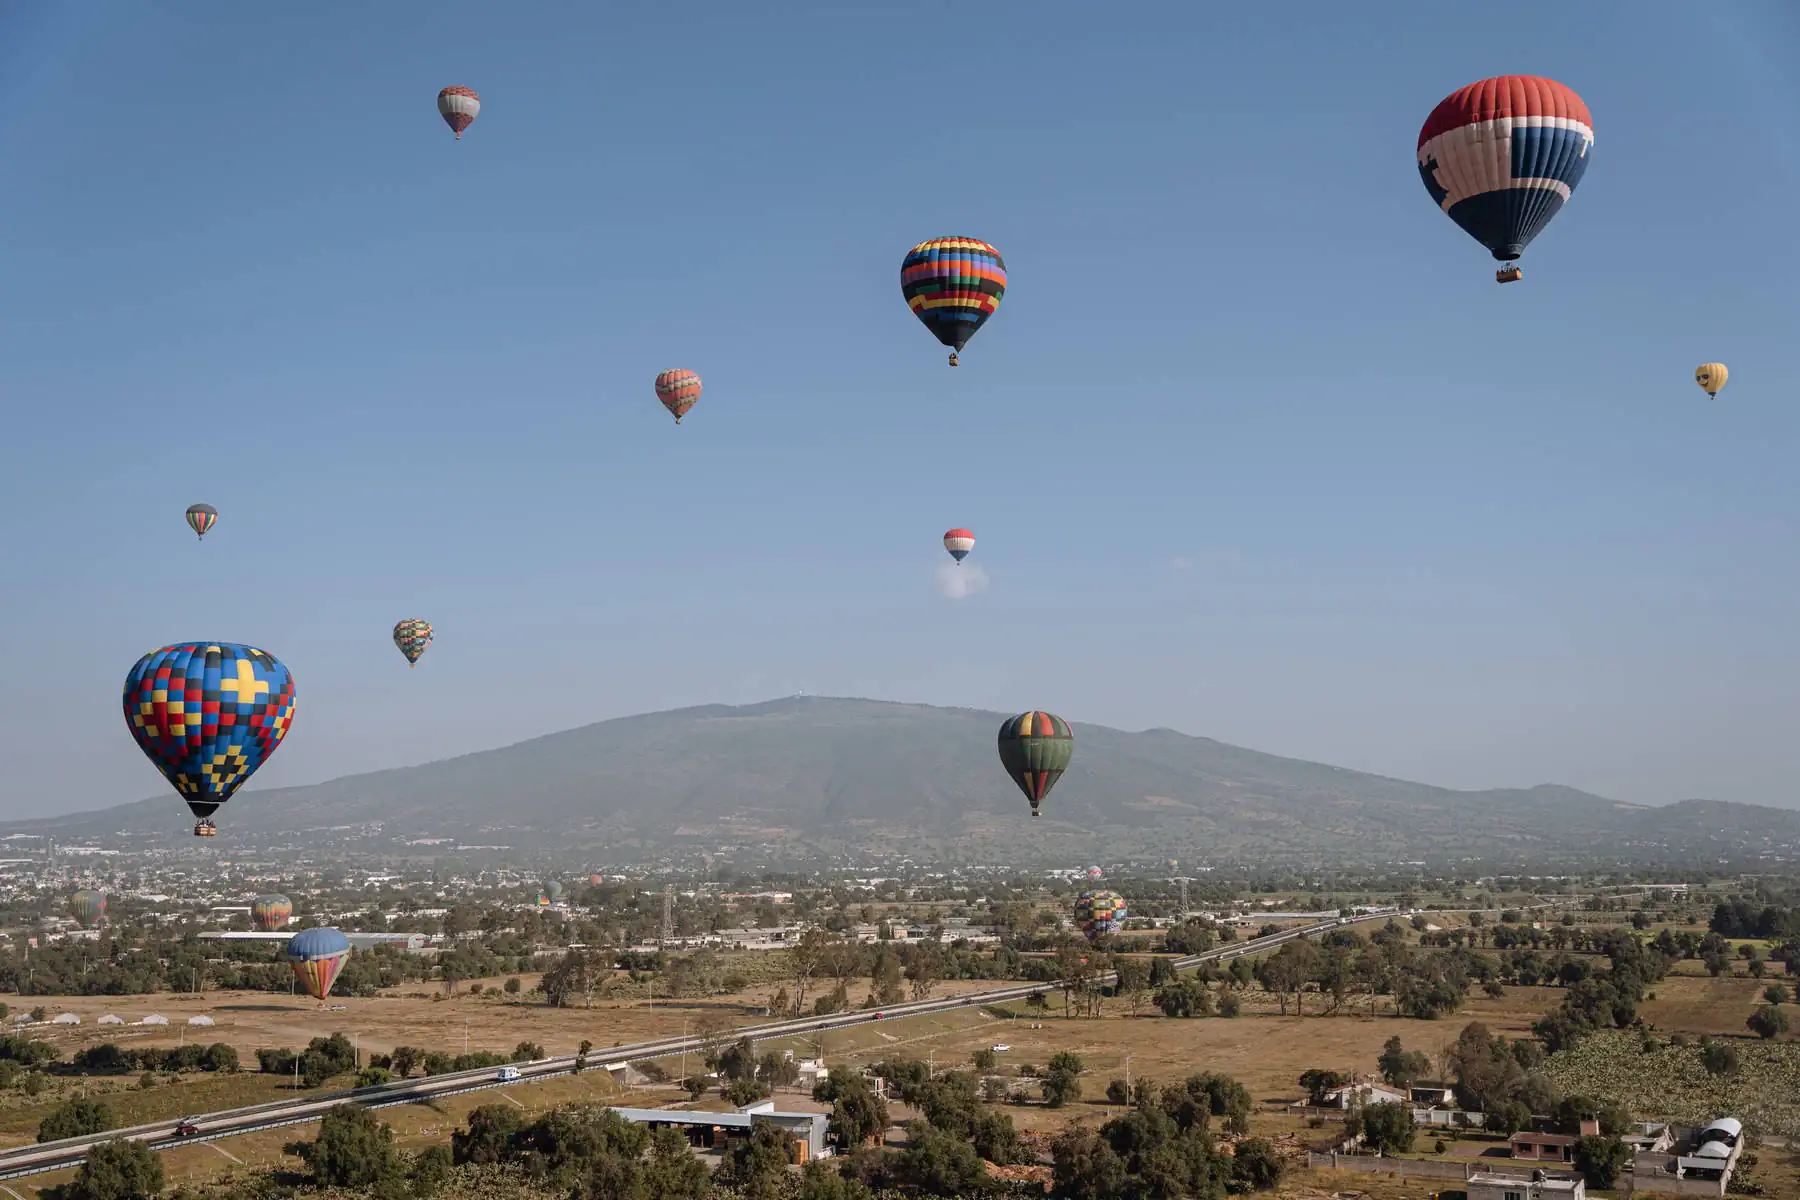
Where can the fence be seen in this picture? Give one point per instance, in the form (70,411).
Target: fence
(1656,1182)
(1438,1118)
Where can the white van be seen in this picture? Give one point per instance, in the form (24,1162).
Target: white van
(508,1075)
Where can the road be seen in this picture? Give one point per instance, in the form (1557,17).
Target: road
(53,1156)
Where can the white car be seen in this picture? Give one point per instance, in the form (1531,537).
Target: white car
(508,1075)
(1000,1047)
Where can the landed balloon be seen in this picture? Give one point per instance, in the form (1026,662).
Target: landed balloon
(1502,156)
(953,285)
(317,955)
(202,517)
(412,636)
(554,890)
(269,913)
(1035,749)
(459,106)
(1711,377)
(87,908)
(959,542)
(678,390)
(208,714)
(1100,912)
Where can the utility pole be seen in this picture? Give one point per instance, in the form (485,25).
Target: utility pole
(668,922)
(1128,1096)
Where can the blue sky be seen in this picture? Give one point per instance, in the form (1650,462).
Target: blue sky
(1255,448)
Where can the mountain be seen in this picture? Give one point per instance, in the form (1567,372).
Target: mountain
(824,774)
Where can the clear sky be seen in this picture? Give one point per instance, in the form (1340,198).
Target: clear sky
(1255,447)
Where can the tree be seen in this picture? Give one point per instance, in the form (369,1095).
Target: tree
(1775,993)
(983,1059)
(511,986)
(1600,1160)
(405,1059)
(1767,1022)
(353,1149)
(114,1170)
(939,1163)
(857,1113)
(1719,1058)
(1255,1167)
(1318,1082)
(1062,1081)
(527,1052)
(822,1181)
(1401,1067)
(1387,1128)
(1184,998)
(491,1134)
(80,1117)
(757,1165)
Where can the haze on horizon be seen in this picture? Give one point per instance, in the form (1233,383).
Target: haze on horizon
(1321,489)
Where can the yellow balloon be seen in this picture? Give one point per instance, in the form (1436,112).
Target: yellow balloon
(1711,376)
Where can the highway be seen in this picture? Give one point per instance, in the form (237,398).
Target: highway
(53,1156)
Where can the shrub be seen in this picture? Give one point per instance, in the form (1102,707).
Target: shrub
(79,1117)
(115,1170)
(353,1149)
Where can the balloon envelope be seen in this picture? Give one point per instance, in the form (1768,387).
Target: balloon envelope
(959,542)
(1035,749)
(953,285)
(202,517)
(317,955)
(208,714)
(459,106)
(678,390)
(412,636)
(269,913)
(1711,377)
(1503,155)
(1100,912)
(87,908)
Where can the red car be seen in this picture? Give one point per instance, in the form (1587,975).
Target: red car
(876,1017)
(186,1128)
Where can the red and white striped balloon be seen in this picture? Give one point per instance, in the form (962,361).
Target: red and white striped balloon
(459,106)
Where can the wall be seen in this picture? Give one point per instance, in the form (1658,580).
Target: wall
(1645,1184)
(1425,1168)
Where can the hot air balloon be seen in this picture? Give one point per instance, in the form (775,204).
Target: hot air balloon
(1035,748)
(553,890)
(208,714)
(459,106)
(1100,912)
(1711,377)
(269,913)
(678,390)
(959,542)
(1502,156)
(202,517)
(953,285)
(412,636)
(316,956)
(87,908)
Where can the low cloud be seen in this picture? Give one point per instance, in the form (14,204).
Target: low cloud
(957,581)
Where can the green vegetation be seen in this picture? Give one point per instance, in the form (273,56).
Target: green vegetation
(1672,1082)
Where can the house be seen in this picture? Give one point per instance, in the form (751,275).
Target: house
(1512,1187)
(713,1129)
(1432,1094)
(1543,1147)
(1353,1095)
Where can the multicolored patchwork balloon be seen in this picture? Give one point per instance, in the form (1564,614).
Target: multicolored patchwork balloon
(1035,749)
(412,636)
(459,106)
(208,714)
(959,542)
(1100,912)
(953,285)
(317,955)
(202,517)
(87,908)
(1503,155)
(678,390)
(269,913)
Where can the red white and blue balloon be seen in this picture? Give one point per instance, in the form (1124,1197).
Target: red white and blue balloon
(459,106)
(959,542)
(1503,155)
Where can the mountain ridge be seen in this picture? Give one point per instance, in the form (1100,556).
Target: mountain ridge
(840,774)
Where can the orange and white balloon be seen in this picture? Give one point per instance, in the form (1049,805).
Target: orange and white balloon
(459,106)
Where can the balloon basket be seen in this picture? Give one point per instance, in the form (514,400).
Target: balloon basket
(1508,275)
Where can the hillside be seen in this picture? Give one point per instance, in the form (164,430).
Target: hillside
(835,774)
